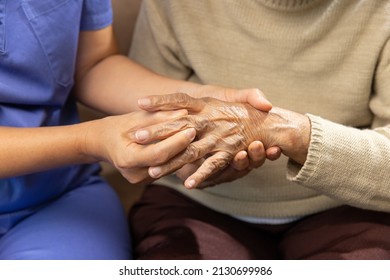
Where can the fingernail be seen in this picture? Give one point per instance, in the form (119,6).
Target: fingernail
(242,155)
(154,172)
(267,102)
(256,149)
(142,135)
(191,132)
(191,183)
(144,102)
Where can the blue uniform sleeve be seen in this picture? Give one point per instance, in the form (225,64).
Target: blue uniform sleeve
(96,14)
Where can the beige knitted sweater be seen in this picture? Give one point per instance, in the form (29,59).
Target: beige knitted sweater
(329,59)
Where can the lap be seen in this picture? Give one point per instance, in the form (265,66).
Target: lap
(168,225)
(341,233)
(85,223)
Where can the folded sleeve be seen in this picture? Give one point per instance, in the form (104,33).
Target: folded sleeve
(349,164)
(96,14)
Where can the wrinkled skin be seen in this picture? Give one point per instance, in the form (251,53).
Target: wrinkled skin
(223,130)
(243,163)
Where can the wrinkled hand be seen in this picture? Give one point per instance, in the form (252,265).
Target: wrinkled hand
(223,130)
(252,96)
(113,139)
(243,163)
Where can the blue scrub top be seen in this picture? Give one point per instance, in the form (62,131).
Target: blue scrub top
(38,45)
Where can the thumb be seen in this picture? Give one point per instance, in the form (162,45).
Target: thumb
(255,98)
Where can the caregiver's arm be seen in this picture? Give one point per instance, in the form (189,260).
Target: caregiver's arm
(29,150)
(112,83)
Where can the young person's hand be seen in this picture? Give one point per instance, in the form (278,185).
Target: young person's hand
(113,139)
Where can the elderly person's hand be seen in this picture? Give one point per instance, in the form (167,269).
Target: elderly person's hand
(252,96)
(223,129)
(243,163)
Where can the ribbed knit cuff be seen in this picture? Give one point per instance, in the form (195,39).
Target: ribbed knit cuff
(299,173)
(346,164)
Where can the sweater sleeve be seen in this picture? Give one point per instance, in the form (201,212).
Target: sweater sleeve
(349,164)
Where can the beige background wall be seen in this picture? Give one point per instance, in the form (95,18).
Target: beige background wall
(125,14)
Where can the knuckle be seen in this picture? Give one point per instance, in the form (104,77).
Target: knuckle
(161,100)
(220,163)
(155,100)
(191,153)
(162,130)
(202,123)
(168,129)
(181,99)
(239,142)
(235,142)
(181,123)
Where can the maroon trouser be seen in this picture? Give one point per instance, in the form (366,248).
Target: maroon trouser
(168,225)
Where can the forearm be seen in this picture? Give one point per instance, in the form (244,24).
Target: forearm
(112,83)
(28,150)
(348,164)
(115,84)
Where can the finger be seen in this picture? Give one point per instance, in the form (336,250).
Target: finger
(256,153)
(210,166)
(255,98)
(163,116)
(160,131)
(171,102)
(137,120)
(240,161)
(135,175)
(163,130)
(273,153)
(188,169)
(194,151)
(159,153)
(226,175)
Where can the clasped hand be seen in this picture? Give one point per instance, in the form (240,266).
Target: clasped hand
(223,130)
(112,139)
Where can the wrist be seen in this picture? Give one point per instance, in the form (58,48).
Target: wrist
(290,131)
(87,145)
(192,89)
